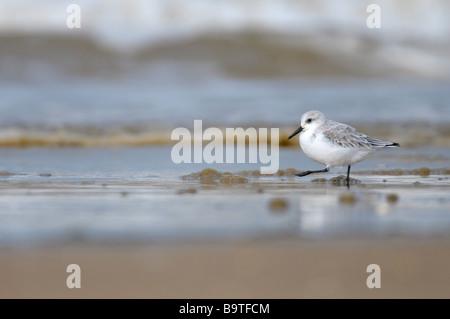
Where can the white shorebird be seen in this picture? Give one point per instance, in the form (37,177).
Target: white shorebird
(334,144)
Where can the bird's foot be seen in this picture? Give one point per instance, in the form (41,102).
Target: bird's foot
(303,173)
(312,172)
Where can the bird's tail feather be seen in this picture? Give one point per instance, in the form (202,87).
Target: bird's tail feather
(378,143)
(393,145)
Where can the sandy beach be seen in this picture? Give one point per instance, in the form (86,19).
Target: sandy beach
(247,269)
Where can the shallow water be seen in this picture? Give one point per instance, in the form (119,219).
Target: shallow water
(138,112)
(137,194)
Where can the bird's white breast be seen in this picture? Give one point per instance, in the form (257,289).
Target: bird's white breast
(317,147)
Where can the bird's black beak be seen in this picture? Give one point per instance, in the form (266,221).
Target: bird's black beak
(295,133)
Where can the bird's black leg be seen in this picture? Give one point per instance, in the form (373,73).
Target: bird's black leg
(348,176)
(326,169)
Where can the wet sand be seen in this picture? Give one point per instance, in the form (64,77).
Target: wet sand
(244,269)
(184,232)
(288,238)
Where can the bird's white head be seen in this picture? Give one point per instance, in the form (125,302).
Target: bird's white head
(310,120)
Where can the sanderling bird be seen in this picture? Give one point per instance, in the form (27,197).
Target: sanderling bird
(334,144)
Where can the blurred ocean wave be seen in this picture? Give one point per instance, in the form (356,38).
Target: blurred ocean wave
(238,55)
(436,135)
(139,22)
(138,69)
(250,39)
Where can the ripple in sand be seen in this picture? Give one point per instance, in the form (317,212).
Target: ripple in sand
(338,181)
(423,171)
(347,198)
(278,204)
(6,173)
(211,176)
(392,198)
(45,174)
(187,191)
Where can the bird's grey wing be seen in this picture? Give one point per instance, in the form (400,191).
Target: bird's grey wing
(345,136)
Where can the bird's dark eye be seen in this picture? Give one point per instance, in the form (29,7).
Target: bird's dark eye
(308,121)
